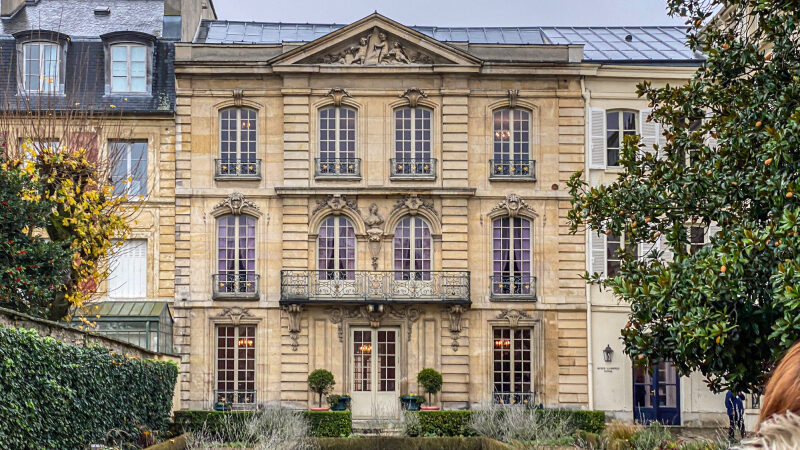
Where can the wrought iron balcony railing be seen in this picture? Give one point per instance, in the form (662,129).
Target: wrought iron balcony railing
(516,398)
(414,169)
(375,286)
(517,169)
(225,169)
(512,287)
(235,286)
(337,168)
(236,399)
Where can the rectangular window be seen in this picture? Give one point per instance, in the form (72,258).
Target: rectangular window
(41,64)
(236,364)
(128,68)
(614,244)
(128,270)
(37,146)
(697,238)
(618,125)
(129,167)
(512,365)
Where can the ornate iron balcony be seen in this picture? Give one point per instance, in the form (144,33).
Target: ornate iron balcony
(518,169)
(512,287)
(236,399)
(357,286)
(237,170)
(337,168)
(414,169)
(235,286)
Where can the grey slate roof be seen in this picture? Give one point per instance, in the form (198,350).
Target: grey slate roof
(601,44)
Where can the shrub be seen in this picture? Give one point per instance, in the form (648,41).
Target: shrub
(320,382)
(438,423)
(652,436)
(268,428)
(509,423)
(589,421)
(623,431)
(430,380)
(54,395)
(320,423)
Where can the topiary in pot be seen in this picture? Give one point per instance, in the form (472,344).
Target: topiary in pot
(430,380)
(320,382)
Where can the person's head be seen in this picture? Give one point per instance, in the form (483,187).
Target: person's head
(783,389)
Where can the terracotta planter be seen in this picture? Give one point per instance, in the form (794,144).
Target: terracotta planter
(429,408)
(324,408)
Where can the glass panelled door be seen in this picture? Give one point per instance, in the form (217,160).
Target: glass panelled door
(656,394)
(373,362)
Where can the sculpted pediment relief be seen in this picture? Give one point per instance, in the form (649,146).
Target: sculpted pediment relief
(375,48)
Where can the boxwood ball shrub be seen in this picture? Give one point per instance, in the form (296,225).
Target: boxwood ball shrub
(59,396)
(320,382)
(430,380)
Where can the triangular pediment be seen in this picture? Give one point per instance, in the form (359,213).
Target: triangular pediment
(375,41)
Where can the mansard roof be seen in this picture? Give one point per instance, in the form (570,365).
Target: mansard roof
(635,44)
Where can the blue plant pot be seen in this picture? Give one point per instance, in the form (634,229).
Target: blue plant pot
(342,404)
(410,403)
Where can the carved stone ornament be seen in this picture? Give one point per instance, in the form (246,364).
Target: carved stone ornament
(374,314)
(373,222)
(337,94)
(294,312)
(513,96)
(235,203)
(455,313)
(413,202)
(337,203)
(413,95)
(234,314)
(513,205)
(410,313)
(375,48)
(513,316)
(238,95)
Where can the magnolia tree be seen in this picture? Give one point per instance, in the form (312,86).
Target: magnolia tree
(730,162)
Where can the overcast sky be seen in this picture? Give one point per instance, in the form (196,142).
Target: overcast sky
(454,12)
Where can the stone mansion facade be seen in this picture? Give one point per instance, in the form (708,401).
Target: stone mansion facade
(374,199)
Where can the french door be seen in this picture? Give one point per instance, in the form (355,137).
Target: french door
(374,372)
(656,394)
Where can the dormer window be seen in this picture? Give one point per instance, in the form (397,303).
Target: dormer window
(128,68)
(41,64)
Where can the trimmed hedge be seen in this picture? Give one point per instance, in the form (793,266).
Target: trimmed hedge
(322,423)
(456,422)
(406,443)
(54,395)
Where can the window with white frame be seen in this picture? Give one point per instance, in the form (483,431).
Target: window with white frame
(235,364)
(607,131)
(127,276)
(511,256)
(237,141)
(512,142)
(128,68)
(412,249)
(618,125)
(41,67)
(336,249)
(129,167)
(337,141)
(512,364)
(412,141)
(606,257)
(236,254)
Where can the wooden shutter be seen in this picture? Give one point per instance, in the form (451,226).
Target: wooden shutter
(128,277)
(597,133)
(649,131)
(597,244)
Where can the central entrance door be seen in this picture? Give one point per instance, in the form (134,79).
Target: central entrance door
(373,362)
(656,394)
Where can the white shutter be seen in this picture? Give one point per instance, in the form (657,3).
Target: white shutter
(712,230)
(666,251)
(597,138)
(649,131)
(128,275)
(646,248)
(597,244)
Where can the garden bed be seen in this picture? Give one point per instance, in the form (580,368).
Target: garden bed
(411,443)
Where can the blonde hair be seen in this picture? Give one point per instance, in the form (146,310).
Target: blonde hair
(783,389)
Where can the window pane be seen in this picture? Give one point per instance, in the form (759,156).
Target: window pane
(138,69)
(138,53)
(119,84)
(138,85)
(119,53)
(119,69)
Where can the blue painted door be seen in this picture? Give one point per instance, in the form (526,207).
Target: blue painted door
(656,394)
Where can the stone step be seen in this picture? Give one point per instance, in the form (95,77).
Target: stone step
(377,427)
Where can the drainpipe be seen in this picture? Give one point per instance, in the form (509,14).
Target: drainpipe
(586,145)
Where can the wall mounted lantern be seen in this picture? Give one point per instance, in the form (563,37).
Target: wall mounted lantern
(608,353)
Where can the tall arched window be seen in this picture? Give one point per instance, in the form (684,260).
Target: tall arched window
(336,247)
(511,257)
(412,142)
(512,143)
(412,249)
(237,142)
(337,142)
(236,254)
